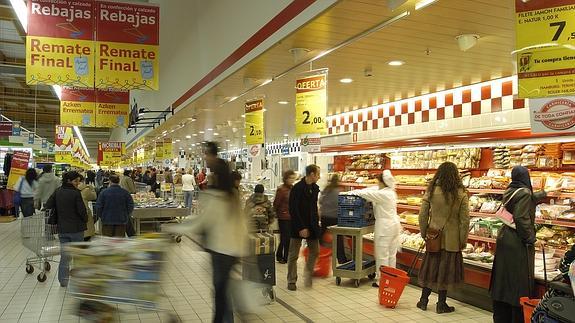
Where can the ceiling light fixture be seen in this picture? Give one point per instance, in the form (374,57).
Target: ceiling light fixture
(177,140)
(243,115)
(283,102)
(286,135)
(79,134)
(210,129)
(194,134)
(201,131)
(216,134)
(188,137)
(423,3)
(395,63)
(346,80)
(227,140)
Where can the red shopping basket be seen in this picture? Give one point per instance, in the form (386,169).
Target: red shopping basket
(392,281)
(529,306)
(323,263)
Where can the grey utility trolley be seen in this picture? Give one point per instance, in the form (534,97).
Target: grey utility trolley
(349,269)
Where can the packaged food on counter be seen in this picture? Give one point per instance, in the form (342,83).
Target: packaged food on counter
(550,211)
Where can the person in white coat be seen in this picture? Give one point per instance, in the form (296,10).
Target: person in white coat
(387,225)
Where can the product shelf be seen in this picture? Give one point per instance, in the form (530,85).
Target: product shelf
(470,237)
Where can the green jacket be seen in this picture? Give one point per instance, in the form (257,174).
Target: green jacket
(454,215)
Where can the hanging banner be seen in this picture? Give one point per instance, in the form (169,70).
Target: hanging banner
(110,153)
(167,149)
(112,108)
(127,46)
(159,150)
(31,138)
(544,40)
(78,107)
(148,153)
(5,129)
(552,115)
(19,165)
(254,122)
(64,139)
(311,104)
(16,128)
(60,43)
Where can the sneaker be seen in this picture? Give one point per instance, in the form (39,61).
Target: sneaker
(374,284)
(292,287)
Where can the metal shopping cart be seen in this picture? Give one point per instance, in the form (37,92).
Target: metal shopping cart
(118,271)
(39,237)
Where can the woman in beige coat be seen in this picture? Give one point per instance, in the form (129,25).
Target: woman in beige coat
(445,207)
(88,195)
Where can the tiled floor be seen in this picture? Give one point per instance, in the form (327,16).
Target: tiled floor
(188,289)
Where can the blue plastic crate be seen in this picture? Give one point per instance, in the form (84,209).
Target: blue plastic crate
(351,200)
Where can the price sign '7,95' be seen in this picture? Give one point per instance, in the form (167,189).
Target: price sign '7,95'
(311,104)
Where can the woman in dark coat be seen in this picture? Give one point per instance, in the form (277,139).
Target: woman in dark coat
(514,264)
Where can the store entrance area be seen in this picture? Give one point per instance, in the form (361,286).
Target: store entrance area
(187,285)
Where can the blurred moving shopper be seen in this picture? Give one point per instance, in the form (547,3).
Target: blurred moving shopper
(88,195)
(188,187)
(514,264)
(127,182)
(259,210)
(48,182)
(445,208)
(224,232)
(114,207)
(304,225)
(72,217)
(328,205)
(387,225)
(202,179)
(281,207)
(27,186)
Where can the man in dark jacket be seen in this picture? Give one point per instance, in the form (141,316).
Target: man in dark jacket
(114,207)
(304,225)
(72,217)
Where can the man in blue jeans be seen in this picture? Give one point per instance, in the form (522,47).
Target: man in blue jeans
(72,217)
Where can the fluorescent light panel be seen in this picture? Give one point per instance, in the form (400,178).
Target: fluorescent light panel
(79,134)
(423,3)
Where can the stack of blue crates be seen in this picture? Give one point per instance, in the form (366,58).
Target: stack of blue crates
(354,211)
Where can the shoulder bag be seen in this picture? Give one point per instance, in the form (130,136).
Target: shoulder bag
(433,236)
(505,216)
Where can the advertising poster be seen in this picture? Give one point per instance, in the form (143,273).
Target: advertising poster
(311,144)
(552,115)
(254,122)
(31,138)
(159,150)
(544,44)
(112,108)
(18,168)
(110,153)
(64,139)
(167,149)
(311,104)
(60,43)
(78,107)
(127,46)
(5,129)
(44,143)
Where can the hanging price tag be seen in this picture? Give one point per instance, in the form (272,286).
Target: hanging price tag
(311,104)
(254,122)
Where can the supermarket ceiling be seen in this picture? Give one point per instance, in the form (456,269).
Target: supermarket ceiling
(424,41)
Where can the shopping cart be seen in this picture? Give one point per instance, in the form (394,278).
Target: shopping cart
(39,237)
(112,271)
(260,266)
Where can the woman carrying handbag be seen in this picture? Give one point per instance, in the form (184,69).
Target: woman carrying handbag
(444,223)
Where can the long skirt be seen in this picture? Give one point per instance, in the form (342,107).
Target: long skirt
(441,270)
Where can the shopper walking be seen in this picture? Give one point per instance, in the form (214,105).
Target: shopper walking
(328,204)
(304,225)
(47,185)
(88,195)
(259,210)
(178,177)
(99,178)
(27,186)
(387,225)
(202,179)
(72,217)
(225,234)
(445,208)
(146,177)
(188,186)
(90,177)
(127,182)
(514,264)
(114,207)
(168,176)
(281,207)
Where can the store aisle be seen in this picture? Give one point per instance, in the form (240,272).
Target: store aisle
(187,285)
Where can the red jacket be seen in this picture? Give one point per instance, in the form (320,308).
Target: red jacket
(281,202)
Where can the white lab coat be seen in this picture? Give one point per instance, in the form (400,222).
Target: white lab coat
(387,225)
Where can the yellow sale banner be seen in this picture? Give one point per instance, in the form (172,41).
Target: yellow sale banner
(545,34)
(112,108)
(254,122)
(167,149)
(311,104)
(18,167)
(63,157)
(110,153)
(159,150)
(78,107)
(64,138)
